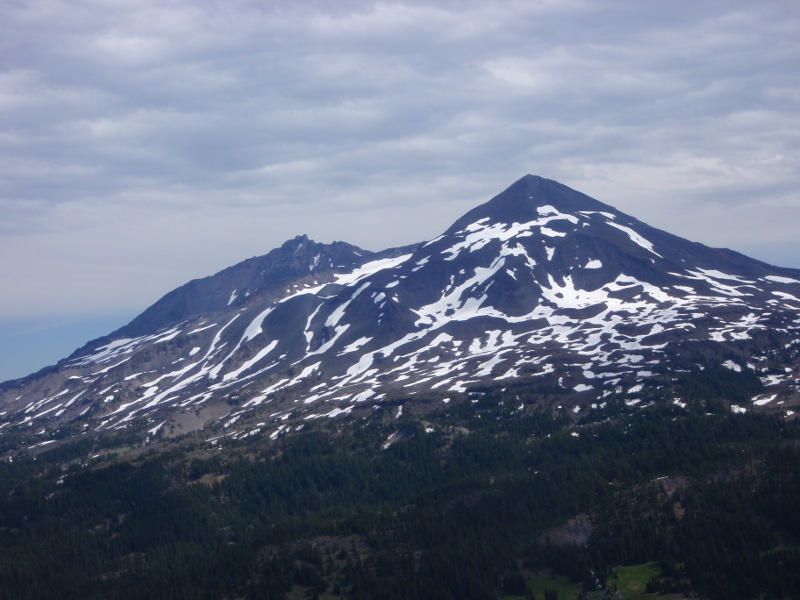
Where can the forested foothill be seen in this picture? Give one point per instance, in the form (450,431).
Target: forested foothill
(488,496)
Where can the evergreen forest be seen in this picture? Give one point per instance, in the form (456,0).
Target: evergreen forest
(488,497)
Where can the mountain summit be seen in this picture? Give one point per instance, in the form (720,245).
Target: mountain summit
(521,201)
(541,284)
(296,259)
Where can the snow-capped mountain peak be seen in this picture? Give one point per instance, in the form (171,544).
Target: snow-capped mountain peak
(540,284)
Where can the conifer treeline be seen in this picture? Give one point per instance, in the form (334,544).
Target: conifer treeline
(456,512)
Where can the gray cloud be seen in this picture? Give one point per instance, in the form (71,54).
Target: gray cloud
(144,144)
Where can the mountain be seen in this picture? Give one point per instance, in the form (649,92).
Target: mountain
(551,399)
(541,285)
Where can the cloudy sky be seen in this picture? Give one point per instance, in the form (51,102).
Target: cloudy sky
(144,143)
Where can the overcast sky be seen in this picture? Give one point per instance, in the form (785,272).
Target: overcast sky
(145,143)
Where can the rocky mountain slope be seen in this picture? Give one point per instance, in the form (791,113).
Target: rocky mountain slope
(541,284)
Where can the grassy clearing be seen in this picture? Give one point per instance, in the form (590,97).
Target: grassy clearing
(632,581)
(782,549)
